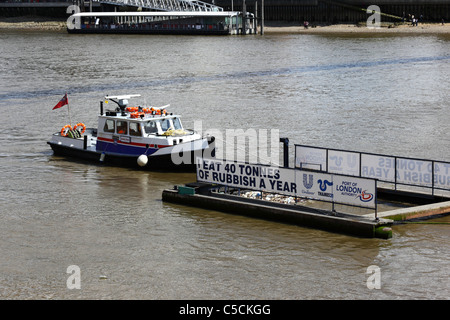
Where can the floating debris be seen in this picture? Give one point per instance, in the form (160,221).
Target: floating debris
(272,197)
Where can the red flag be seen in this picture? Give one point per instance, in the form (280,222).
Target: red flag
(62,102)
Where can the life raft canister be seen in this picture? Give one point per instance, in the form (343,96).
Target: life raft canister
(74,134)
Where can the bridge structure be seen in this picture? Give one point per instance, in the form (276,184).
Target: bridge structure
(165,5)
(38,7)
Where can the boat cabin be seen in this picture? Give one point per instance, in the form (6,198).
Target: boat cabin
(139,127)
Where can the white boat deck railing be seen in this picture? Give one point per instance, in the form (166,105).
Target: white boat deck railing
(165,5)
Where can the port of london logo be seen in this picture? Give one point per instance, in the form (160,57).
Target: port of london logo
(365,196)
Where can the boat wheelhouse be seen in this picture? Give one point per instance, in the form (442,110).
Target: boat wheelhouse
(144,137)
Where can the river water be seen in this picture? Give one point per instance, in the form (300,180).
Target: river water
(372,93)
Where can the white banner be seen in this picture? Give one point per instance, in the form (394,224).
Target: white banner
(442,175)
(305,184)
(343,162)
(229,173)
(354,191)
(391,169)
(315,185)
(282,181)
(378,167)
(415,172)
(310,158)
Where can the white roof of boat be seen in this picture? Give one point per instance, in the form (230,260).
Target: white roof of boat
(158,14)
(127,96)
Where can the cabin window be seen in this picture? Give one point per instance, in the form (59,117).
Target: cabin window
(151,127)
(109,126)
(177,124)
(165,125)
(122,127)
(135,129)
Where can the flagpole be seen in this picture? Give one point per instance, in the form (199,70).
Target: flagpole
(68,110)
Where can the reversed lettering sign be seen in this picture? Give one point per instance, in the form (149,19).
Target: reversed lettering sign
(442,175)
(343,162)
(310,158)
(378,167)
(415,172)
(392,169)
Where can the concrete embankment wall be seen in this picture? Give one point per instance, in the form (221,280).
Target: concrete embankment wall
(314,11)
(346,11)
(44,8)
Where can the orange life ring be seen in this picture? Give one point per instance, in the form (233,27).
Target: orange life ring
(83,130)
(65,130)
(136,114)
(132,109)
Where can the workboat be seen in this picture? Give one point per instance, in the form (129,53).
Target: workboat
(136,136)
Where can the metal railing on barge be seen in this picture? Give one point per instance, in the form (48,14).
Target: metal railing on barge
(419,176)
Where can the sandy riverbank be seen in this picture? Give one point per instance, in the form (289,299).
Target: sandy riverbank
(31,23)
(425,28)
(271,27)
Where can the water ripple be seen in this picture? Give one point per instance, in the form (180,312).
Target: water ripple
(217,77)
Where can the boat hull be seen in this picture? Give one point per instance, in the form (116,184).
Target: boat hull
(156,162)
(150,31)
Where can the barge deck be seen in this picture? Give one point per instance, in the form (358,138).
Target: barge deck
(203,196)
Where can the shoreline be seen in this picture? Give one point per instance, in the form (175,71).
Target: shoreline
(386,28)
(270,27)
(32,23)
